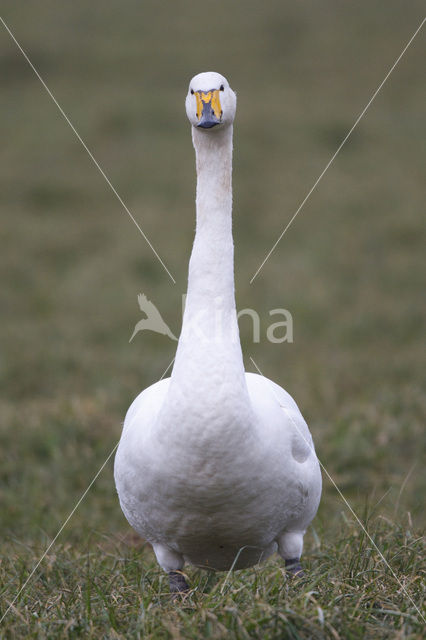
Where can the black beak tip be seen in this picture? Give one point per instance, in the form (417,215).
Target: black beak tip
(207,124)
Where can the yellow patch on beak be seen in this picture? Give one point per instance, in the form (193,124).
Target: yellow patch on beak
(210,97)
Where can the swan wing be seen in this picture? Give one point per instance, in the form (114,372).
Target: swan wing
(147,403)
(262,389)
(296,470)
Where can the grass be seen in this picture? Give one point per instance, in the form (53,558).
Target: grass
(105,587)
(349,270)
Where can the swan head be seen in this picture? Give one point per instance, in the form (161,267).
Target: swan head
(210,102)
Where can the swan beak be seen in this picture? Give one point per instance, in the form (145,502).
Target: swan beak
(209,111)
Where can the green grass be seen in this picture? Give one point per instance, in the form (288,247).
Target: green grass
(104,587)
(350,270)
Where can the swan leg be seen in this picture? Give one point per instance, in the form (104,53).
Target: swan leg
(290,546)
(172,562)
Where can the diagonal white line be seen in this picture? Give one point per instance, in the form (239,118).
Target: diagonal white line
(317,181)
(90,154)
(80,500)
(347,504)
(57,535)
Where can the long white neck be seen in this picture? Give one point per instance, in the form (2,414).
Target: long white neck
(208,373)
(211,268)
(210,330)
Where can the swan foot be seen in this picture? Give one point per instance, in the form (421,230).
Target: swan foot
(178,584)
(294,568)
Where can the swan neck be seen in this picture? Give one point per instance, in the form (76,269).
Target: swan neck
(210,328)
(211,266)
(208,400)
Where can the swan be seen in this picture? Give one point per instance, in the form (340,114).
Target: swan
(215,467)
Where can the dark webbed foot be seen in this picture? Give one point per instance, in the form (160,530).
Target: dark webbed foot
(178,584)
(294,567)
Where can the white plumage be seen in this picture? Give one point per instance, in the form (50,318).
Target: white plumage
(215,466)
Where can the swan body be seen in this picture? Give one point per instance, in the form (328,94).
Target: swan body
(215,466)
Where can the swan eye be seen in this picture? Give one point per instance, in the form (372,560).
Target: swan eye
(192,91)
(222,88)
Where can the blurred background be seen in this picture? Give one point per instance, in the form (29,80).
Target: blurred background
(349,269)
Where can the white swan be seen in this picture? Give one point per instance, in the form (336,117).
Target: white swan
(215,466)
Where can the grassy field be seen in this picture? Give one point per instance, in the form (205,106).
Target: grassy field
(350,271)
